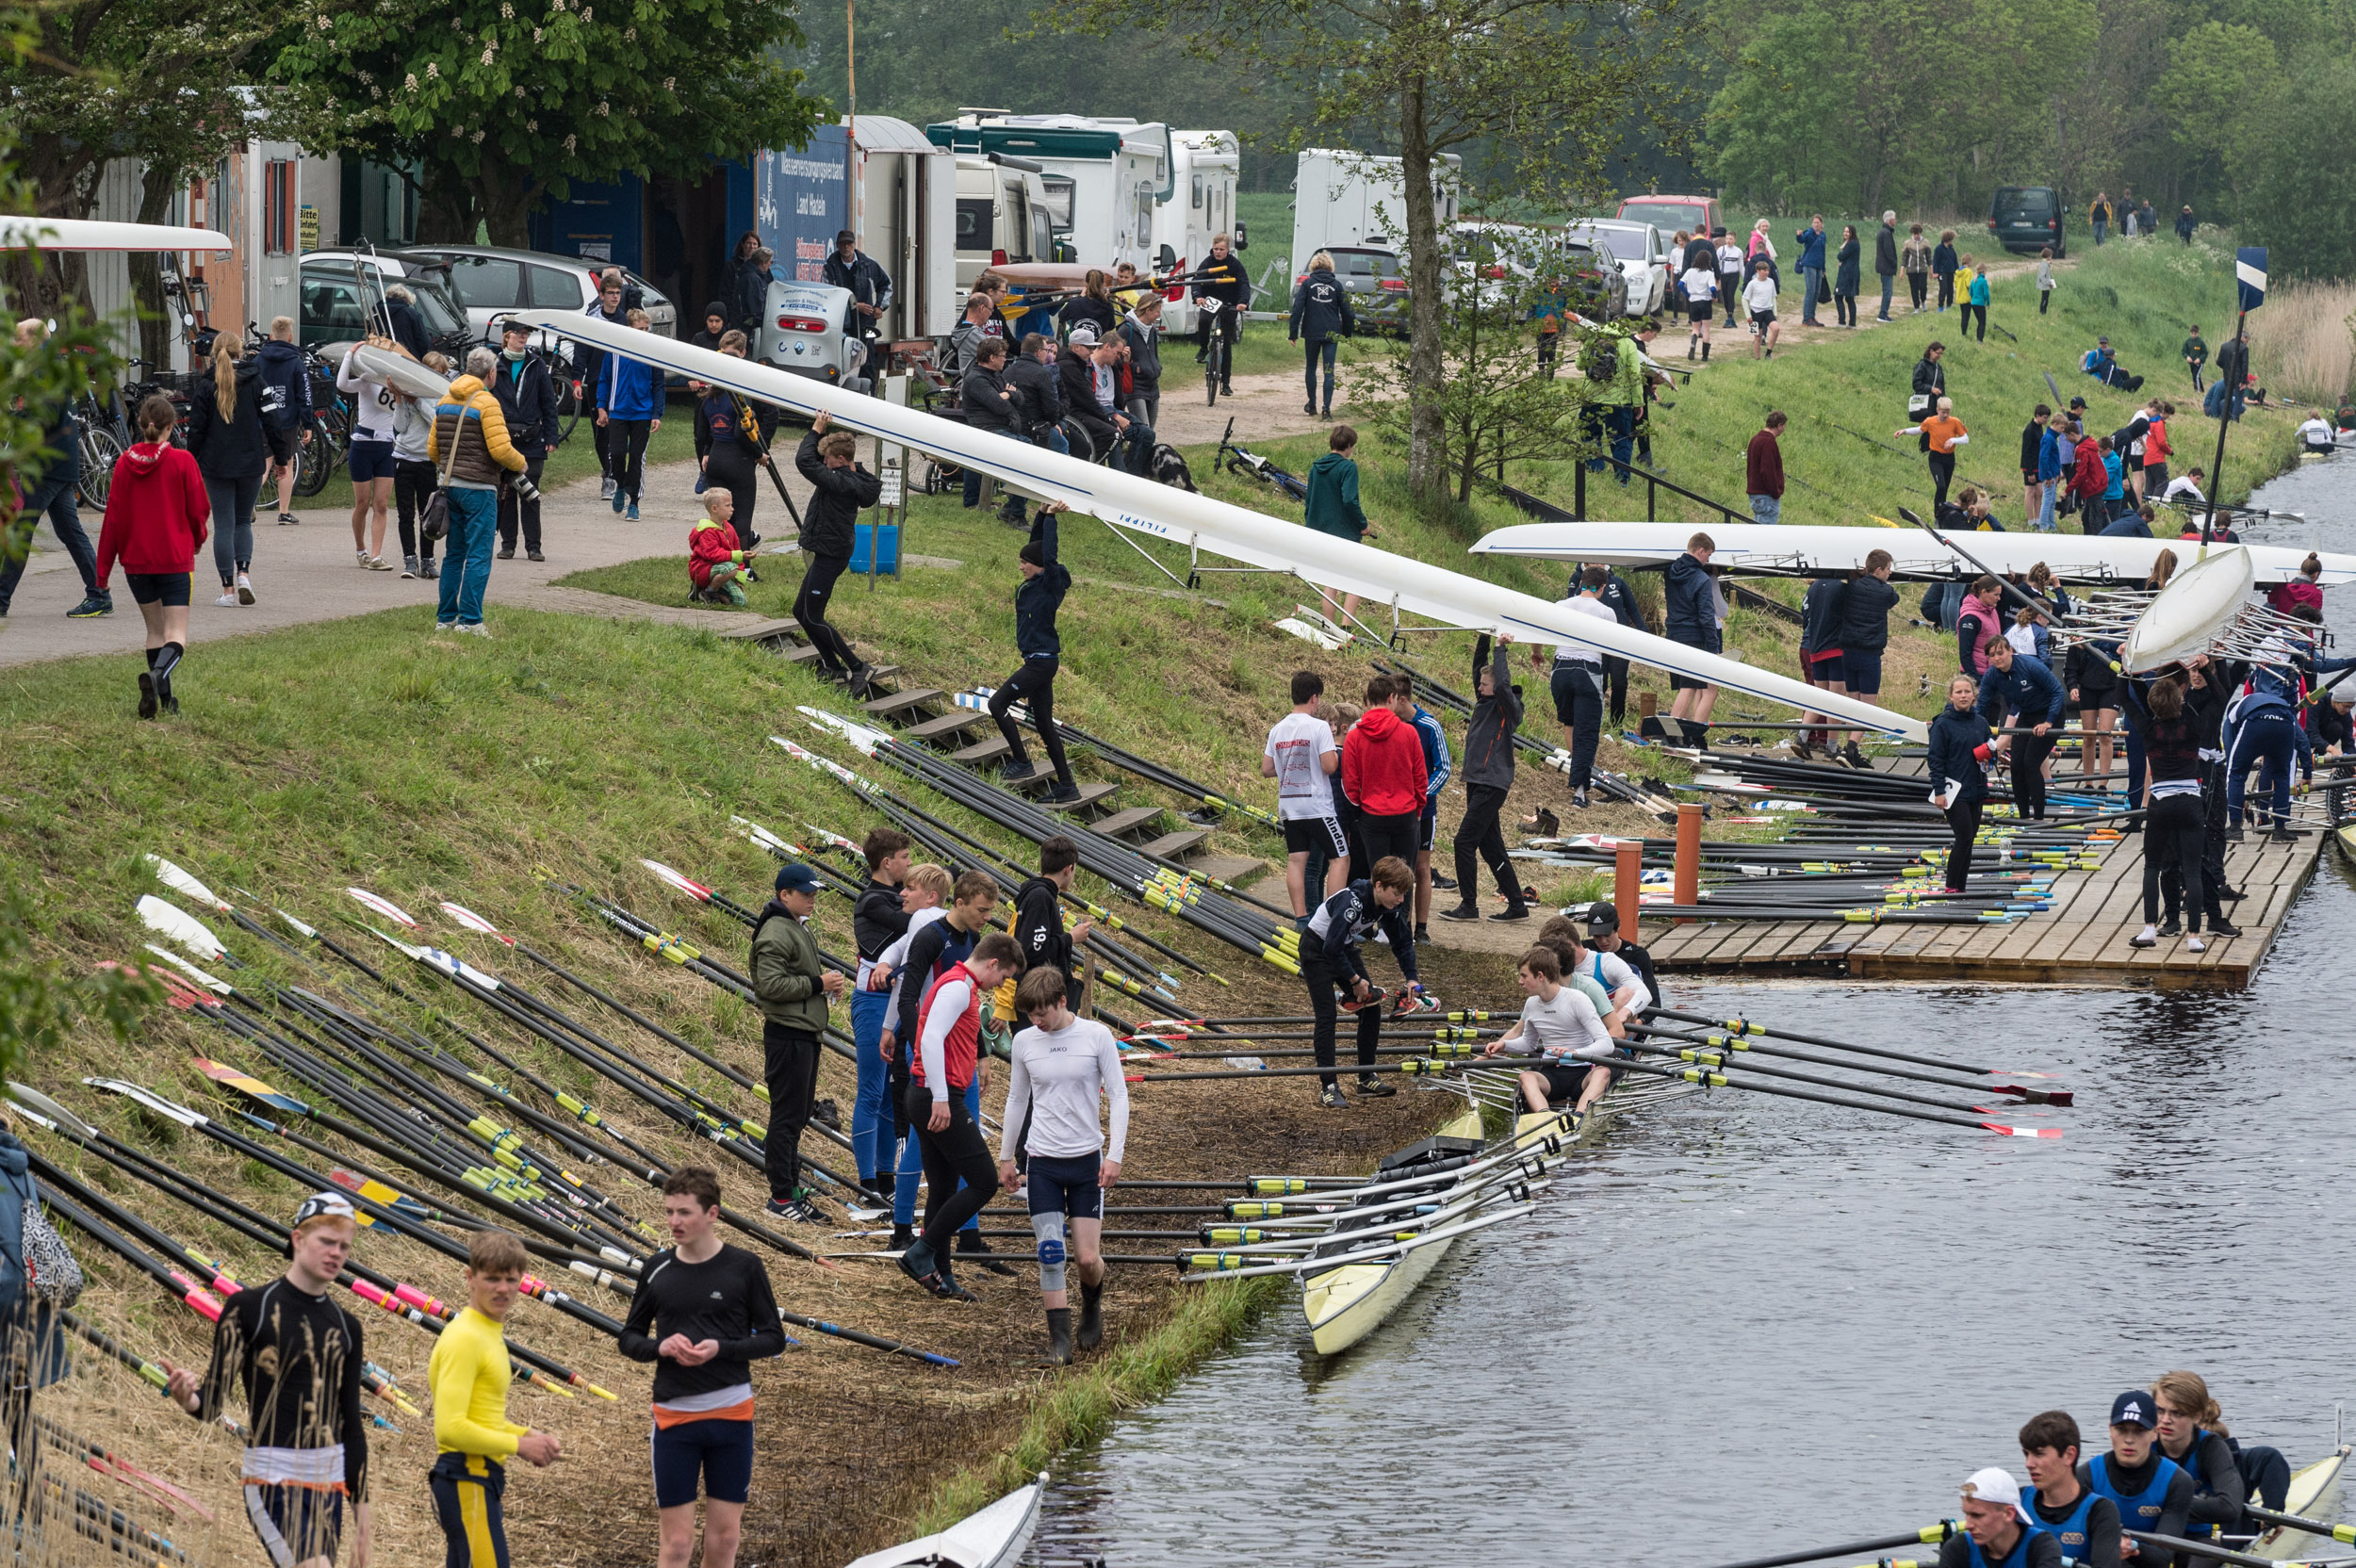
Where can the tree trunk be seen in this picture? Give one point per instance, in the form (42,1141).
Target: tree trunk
(447,207)
(1426,299)
(62,175)
(158,184)
(506,197)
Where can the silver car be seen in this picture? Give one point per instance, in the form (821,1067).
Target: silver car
(490,281)
(1643,259)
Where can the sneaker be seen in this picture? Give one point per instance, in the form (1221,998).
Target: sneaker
(903,1237)
(440,626)
(360,559)
(245,588)
(1063,794)
(2194,944)
(1331,1100)
(408,568)
(2148,937)
(827,1111)
(606,488)
(378,564)
(798,1209)
(533,555)
(428,571)
(2171,926)
(1423,935)
(614,498)
(1463,911)
(475,629)
(288,519)
(507,554)
(1374,999)
(1855,759)
(1309,408)
(632,512)
(1512,913)
(2282,836)
(2233,836)
(1805,749)
(1371,1087)
(147,693)
(91,607)
(228,600)
(1444,884)
(2223,928)
(1020,772)
(972,1247)
(1579,798)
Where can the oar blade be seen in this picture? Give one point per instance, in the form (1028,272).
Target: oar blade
(181,881)
(252,1089)
(384,907)
(687,885)
(168,920)
(2022,1131)
(474,922)
(40,1105)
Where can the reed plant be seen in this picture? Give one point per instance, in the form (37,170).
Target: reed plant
(2303,343)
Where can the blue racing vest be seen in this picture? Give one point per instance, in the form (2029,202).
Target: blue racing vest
(2016,1558)
(2199,1483)
(2141,1510)
(2071,1532)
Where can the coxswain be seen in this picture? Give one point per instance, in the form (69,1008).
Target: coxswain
(1996,1528)
(2192,1434)
(1603,935)
(2057,1502)
(2149,1491)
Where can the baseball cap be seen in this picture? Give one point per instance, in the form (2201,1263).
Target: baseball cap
(1084,336)
(796,878)
(1992,1485)
(2133,1409)
(2101,340)
(515,324)
(1603,920)
(323,1205)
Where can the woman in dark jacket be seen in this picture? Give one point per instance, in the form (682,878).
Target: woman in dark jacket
(1094,306)
(829,459)
(1844,281)
(1321,314)
(1944,262)
(1930,384)
(1487,770)
(234,443)
(732,435)
(1819,651)
(1957,767)
(1142,333)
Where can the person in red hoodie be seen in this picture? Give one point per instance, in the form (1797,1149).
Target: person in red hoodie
(715,561)
(156,513)
(1384,775)
(2087,481)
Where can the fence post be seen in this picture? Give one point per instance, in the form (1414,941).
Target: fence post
(1627,883)
(1579,492)
(1651,491)
(1687,883)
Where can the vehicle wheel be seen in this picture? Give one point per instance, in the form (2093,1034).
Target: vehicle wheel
(100,448)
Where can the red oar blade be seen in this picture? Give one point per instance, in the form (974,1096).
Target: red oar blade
(687,885)
(2022,1131)
(384,907)
(475,923)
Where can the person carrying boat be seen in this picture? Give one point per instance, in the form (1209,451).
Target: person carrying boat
(2057,1502)
(959,1175)
(1332,960)
(1045,581)
(1819,653)
(1997,1531)
(2176,832)
(1864,637)
(1560,1027)
(1063,1064)
(1488,774)
(1577,683)
(2262,728)
(2023,686)
(2151,1494)
(1958,766)
(2090,670)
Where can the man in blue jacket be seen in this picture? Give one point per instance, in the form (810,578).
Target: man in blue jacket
(1689,616)
(1811,240)
(2025,686)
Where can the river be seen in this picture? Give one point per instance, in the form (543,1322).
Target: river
(1743,1325)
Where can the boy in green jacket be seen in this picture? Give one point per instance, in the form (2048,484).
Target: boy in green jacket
(793,989)
(1332,507)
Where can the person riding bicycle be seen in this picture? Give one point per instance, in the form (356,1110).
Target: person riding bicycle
(1221,277)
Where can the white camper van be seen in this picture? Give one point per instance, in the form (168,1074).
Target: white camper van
(1202,203)
(1103,178)
(904,208)
(1344,198)
(1001,215)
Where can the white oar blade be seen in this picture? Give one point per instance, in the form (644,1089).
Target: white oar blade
(474,922)
(180,881)
(42,1106)
(149,1098)
(384,907)
(687,885)
(189,970)
(177,925)
(761,836)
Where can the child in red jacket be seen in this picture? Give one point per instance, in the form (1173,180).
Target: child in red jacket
(715,561)
(156,512)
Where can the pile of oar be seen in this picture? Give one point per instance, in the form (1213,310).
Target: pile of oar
(1169,778)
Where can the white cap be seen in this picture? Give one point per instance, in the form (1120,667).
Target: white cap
(1996,1486)
(1083,336)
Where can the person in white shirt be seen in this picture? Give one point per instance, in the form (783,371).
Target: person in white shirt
(1062,1066)
(1577,682)
(2184,489)
(1560,1028)
(1759,298)
(1729,274)
(1302,758)
(2317,433)
(1701,293)
(369,459)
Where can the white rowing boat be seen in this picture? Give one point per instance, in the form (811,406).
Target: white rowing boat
(100,234)
(993,1537)
(2306,1495)
(2184,617)
(1343,1305)
(399,371)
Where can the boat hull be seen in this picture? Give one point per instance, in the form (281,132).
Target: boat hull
(994,1537)
(1343,1305)
(2309,1487)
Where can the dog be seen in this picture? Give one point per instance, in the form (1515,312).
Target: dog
(1168,465)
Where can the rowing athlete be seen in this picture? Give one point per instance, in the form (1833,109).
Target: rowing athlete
(2150,1493)
(702,1312)
(1997,1532)
(2192,1435)
(941,1110)
(473,1439)
(1331,960)
(877,921)
(1063,1064)
(298,1356)
(1559,1027)
(2083,1520)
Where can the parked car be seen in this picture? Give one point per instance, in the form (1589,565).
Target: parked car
(335,290)
(1376,283)
(1642,257)
(1671,213)
(1593,284)
(489,282)
(2026,218)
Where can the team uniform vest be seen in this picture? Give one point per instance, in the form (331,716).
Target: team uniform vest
(2016,1558)
(2071,1532)
(958,1051)
(2141,1510)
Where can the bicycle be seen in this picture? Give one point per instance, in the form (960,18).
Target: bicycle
(1215,356)
(106,426)
(330,426)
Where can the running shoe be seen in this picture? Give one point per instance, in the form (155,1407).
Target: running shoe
(1062,795)
(147,693)
(1374,999)
(288,519)
(428,571)
(360,559)
(606,488)
(408,568)
(2223,928)
(1463,911)
(508,554)
(378,564)
(1579,798)
(91,607)
(631,511)
(228,600)
(1512,913)
(1331,1100)
(1019,773)
(533,555)
(245,588)
(971,1246)
(475,629)
(1371,1087)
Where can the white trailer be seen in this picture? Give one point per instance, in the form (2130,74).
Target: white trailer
(904,208)
(1104,178)
(1202,203)
(1345,198)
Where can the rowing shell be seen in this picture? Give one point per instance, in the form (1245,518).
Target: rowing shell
(2186,616)
(98,234)
(1630,1093)
(2305,1495)
(400,371)
(1344,1304)
(993,1537)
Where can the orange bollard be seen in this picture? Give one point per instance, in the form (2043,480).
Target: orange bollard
(1686,885)
(1627,883)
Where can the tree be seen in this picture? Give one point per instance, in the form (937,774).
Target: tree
(2219,84)
(506,102)
(2301,205)
(1529,87)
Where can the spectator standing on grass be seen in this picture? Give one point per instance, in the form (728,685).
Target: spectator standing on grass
(1915,259)
(1762,469)
(2044,278)
(286,398)
(796,993)
(1142,333)
(2196,354)
(2032,439)
(1930,382)
(1944,262)
(1759,299)
(1941,434)
(1844,281)
(1975,301)
(2184,225)
(2088,480)
(1731,270)
(232,444)
(1812,243)
(1384,771)
(1886,259)
(1762,246)
(2099,216)
(157,508)
(468,446)
(1321,314)
(1332,507)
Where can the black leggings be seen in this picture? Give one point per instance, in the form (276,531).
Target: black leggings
(1946,289)
(1942,475)
(959,1175)
(1479,834)
(1325,988)
(1969,312)
(2045,297)
(1918,284)
(1386,836)
(2028,773)
(810,610)
(414,482)
(732,467)
(1033,685)
(1844,308)
(628,451)
(1615,684)
(513,509)
(1964,817)
(2175,834)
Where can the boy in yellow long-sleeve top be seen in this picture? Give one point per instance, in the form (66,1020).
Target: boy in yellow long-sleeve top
(469,1373)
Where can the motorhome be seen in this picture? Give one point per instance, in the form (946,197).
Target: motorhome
(1103,178)
(1001,213)
(1201,204)
(1345,198)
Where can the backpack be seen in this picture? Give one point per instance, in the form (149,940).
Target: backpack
(1599,354)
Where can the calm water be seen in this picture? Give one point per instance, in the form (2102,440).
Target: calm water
(1744,1325)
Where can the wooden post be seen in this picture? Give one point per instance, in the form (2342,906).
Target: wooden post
(1627,883)
(1687,886)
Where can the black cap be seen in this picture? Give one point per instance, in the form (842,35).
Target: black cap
(2133,1409)
(846,238)
(796,878)
(1603,920)
(1031,554)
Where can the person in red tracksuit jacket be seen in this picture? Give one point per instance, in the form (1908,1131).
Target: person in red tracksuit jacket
(717,564)
(156,513)
(1384,775)
(2088,480)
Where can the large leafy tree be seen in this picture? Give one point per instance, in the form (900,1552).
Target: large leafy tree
(506,102)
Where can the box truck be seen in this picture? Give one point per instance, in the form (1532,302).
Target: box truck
(1345,198)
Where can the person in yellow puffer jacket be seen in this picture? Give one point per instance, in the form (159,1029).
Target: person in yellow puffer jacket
(469,445)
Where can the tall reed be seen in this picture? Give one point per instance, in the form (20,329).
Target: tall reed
(2303,343)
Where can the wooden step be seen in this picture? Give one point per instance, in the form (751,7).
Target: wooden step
(1089,795)
(954,723)
(982,751)
(793,653)
(1124,822)
(903,702)
(1171,846)
(1237,869)
(774,636)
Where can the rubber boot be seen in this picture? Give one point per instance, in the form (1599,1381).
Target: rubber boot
(1059,1336)
(1091,1316)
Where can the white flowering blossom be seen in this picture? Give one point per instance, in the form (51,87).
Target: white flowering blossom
(478,137)
(630,35)
(670,84)
(432,70)
(487,54)
(412,83)
(568,143)
(603,107)
(535,35)
(507,13)
(533,126)
(376,92)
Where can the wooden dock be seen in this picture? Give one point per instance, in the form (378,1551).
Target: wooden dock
(2080,940)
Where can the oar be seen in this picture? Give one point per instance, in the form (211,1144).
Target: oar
(2199,1551)
(1719,1080)
(1207,1265)
(1705,1057)
(1744,1027)
(2344,1534)
(1929,1535)
(1720,1041)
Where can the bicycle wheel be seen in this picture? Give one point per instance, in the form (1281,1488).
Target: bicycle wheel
(567,398)
(1214,364)
(100,448)
(316,462)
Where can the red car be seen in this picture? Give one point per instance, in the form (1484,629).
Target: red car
(1694,214)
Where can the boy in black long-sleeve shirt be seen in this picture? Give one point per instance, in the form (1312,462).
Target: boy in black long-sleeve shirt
(1039,928)
(1331,960)
(703,1312)
(1045,580)
(877,921)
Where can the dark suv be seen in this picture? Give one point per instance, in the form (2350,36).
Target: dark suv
(1376,285)
(2026,218)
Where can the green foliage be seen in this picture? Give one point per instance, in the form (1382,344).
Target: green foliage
(2301,196)
(2219,64)
(39,1002)
(509,101)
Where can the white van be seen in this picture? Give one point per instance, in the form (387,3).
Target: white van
(1001,215)
(1104,178)
(1202,203)
(1345,198)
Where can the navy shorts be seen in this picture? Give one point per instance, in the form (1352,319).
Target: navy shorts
(370,460)
(1430,825)
(467,1490)
(1686,684)
(1307,835)
(169,589)
(1861,673)
(717,1452)
(1065,1186)
(295,1523)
